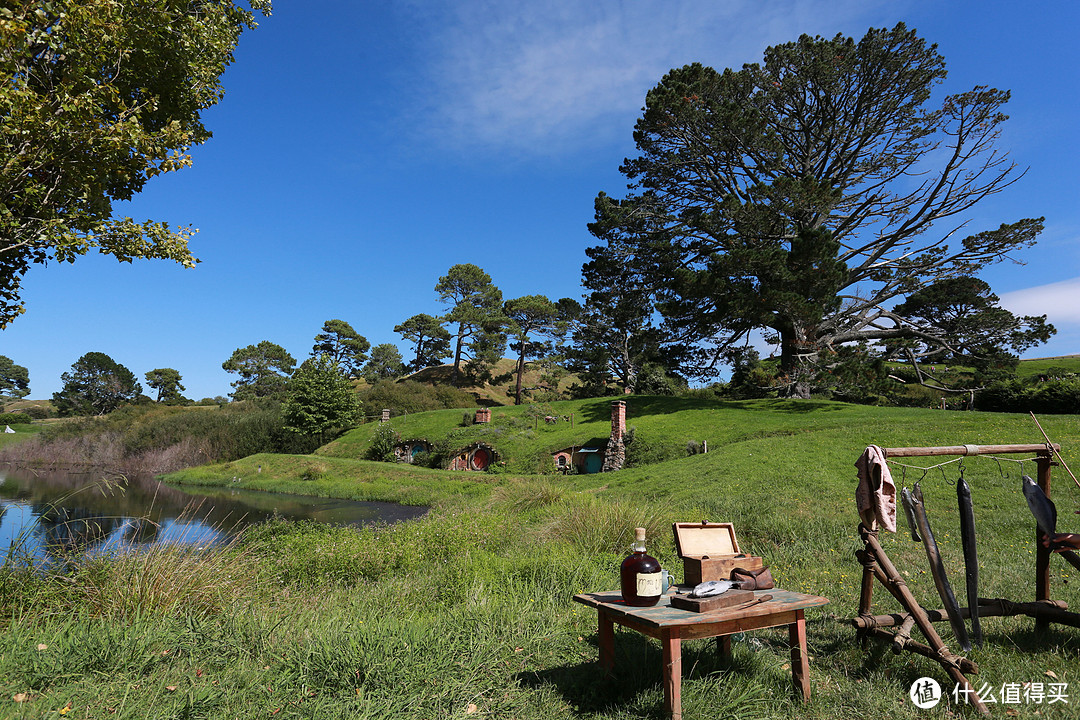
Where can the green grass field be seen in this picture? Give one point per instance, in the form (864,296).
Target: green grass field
(467,612)
(1031,368)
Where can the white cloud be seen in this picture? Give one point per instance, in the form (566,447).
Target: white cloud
(1059,301)
(537,77)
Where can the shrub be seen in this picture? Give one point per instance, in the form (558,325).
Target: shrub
(1059,395)
(15,418)
(383,441)
(409,396)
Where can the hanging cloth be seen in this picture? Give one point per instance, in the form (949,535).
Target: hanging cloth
(876,493)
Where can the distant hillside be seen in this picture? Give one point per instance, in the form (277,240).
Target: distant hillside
(1043,366)
(497,393)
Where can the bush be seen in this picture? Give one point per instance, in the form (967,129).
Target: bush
(1060,395)
(161,438)
(38,412)
(409,396)
(15,418)
(383,441)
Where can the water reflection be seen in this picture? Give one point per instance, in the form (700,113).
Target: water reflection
(55,515)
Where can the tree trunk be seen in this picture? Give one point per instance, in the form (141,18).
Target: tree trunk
(520,372)
(457,354)
(792,344)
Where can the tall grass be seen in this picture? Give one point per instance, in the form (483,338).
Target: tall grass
(158,439)
(166,579)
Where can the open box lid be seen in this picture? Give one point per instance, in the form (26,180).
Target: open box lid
(695,540)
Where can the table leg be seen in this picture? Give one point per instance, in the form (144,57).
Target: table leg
(800,662)
(672,650)
(606,640)
(723,647)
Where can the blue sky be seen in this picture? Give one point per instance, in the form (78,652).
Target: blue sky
(363,148)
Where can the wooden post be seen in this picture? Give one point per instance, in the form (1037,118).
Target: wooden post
(800,663)
(1042,554)
(895,584)
(606,640)
(671,641)
(723,647)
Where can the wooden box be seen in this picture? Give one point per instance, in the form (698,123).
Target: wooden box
(710,551)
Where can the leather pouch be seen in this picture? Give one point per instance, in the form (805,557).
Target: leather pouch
(756,579)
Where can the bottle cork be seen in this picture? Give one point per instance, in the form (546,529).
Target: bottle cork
(639,534)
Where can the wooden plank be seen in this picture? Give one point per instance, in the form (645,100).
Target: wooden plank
(966,450)
(728,599)
(663,615)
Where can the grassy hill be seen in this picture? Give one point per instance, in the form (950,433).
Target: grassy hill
(515,548)
(468,612)
(498,393)
(1040,366)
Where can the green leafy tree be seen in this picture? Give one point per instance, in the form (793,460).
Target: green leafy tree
(805,196)
(96,385)
(343,345)
(385,363)
(167,383)
(320,399)
(534,322)
(474,305)
(429,337)
(264,370)
(98,97)
(14,380)
(977,331)
(614,335)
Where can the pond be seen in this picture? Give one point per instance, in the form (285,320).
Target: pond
(56,514)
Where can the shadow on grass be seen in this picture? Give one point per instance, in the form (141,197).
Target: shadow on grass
(635,686)
(641,405)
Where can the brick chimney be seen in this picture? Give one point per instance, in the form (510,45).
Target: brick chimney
(615,454)
(618,420)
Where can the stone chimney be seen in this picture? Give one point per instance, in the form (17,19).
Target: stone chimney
(615,455)
(385,415)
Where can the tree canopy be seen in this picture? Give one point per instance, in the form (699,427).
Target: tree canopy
(343,345)
(614,335)
(263,370)
(96,385)
(807,196)
(429,337)
(167,383)
(320,399)
(975,329)
(385,363)
(533,322)
(474,305)
(14,379)
(98,97)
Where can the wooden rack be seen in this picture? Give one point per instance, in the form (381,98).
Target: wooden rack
(877,566)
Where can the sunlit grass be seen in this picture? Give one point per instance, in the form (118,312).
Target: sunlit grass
(468,612)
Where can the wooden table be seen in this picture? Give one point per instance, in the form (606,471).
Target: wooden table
(671,626)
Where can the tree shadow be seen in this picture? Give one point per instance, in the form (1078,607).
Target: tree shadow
(641,405)
(636,683)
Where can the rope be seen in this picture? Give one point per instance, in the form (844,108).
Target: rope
(926,470)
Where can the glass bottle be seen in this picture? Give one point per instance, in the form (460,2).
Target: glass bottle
(640,575)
